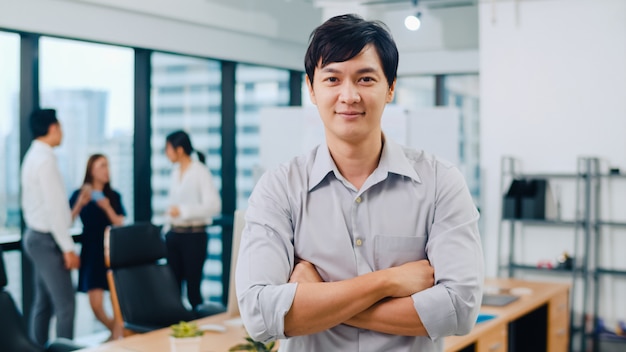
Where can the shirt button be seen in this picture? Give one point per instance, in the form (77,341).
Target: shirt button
(359,242)
(358,199)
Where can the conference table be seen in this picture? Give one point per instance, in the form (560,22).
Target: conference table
(541,311)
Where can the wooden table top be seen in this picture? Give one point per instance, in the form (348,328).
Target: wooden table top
(532,295)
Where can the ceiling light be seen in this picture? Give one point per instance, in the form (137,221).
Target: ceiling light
(413,22)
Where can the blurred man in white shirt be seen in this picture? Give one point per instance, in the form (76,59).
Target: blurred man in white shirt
(47,240)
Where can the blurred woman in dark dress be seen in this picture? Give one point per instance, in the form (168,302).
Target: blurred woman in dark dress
(99,206)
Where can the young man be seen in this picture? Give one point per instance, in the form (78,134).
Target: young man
(361,245)
(47,240)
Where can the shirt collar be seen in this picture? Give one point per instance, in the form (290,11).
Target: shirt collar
(42,146)
(322,165)
(392,160)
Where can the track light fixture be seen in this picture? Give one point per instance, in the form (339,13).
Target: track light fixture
(413,22)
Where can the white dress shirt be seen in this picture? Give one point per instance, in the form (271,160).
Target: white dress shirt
(195,195)
(413,206)
(44,199)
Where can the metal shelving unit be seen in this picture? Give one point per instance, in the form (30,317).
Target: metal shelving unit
(599,224)
(581,226)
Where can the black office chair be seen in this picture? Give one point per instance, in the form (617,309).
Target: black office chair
(142,284)
(13,333)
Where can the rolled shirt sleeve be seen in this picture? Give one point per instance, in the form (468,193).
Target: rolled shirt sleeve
(454,250)
(266,260)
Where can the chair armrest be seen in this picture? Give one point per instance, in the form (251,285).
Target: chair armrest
(63,345)
(138,328)
(208,309)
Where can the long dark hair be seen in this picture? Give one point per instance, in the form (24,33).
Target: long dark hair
(108,192)
(181,139)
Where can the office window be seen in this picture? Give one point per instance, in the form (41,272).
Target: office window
(178,104)
(462,92)
(91,87)
(256,87)
(415,92)
(186,95)
(9,137)
(10,160)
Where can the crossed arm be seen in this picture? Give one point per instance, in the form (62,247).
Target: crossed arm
(377,301)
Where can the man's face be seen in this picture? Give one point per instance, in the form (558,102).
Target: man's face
(351,96)
(56,133)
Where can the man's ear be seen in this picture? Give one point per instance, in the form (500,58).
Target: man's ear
(391,92)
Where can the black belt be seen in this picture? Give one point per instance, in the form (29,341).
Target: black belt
(188,229)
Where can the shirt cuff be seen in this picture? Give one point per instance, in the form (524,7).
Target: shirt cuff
(436,311)
(65,243)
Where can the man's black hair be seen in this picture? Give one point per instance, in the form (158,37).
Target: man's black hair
(41,120)
(343,37)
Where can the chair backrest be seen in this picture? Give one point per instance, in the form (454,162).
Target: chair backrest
(145,288)
(239,223)
(136,244)
(3,273)
(13,334)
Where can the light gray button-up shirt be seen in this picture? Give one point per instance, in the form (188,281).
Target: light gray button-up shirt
(413,206)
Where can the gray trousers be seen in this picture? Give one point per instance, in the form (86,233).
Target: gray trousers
(54,292)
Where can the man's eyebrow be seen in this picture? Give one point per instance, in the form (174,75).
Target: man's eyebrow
(360,71)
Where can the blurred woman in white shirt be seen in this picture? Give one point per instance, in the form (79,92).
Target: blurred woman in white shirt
(193,202)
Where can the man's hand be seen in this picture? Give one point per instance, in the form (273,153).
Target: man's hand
(411,277)
(304,272)
(173,211)
(72,261)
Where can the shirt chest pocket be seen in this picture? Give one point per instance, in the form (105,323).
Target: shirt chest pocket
(390,251)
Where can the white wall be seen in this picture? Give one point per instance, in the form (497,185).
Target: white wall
(553,87)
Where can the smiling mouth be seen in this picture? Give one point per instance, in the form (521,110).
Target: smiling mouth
(350,114)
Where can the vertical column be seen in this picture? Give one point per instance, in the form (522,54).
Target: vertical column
(142,169)
(295,88)
(229,169)
(29,101)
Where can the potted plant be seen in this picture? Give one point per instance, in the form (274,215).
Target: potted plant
(185,337)
(252,345)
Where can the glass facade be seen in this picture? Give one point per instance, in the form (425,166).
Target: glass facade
(415,92)
(9,137)
(462,92)
(256,87)
(91,88)
(186,94)
(10,161)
